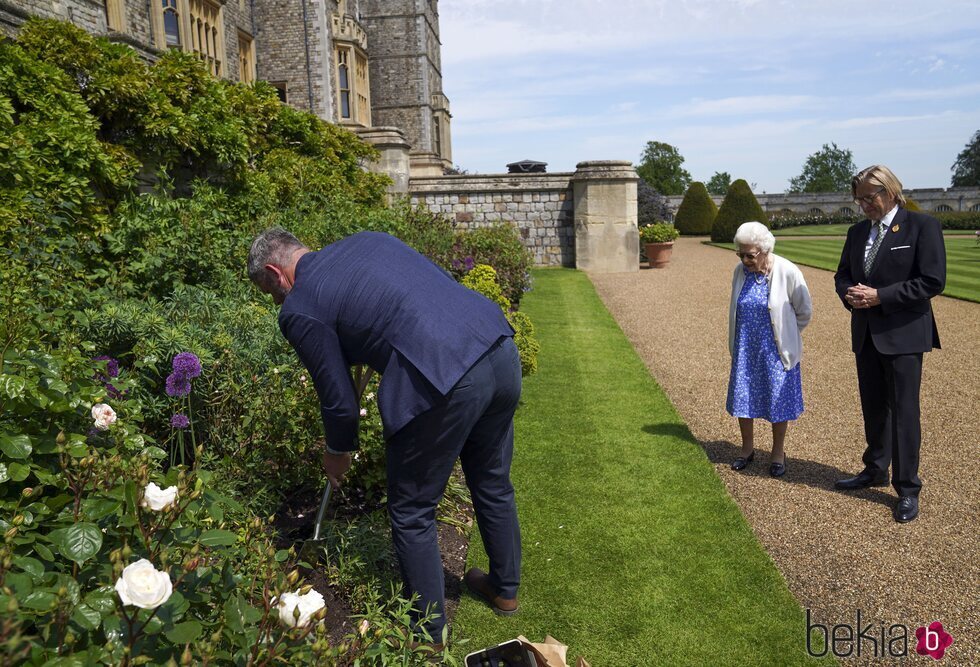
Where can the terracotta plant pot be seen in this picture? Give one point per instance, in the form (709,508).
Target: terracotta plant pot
(658,254)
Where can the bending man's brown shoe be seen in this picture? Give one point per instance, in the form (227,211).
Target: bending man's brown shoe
(478,581)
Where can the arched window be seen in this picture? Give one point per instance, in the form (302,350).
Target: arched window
(343,81)
(171,23)
(846,210)
(785,211)
(975,207)
(816,211)
(944,208)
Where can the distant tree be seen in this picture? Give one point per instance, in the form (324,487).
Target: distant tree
(718,185)
(739,206)
(454,170)
(966,169)
(697,211)
(660,166)
(651,206)
(828,170)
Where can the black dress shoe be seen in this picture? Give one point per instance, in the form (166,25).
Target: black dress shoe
(742,461)
(863,480)
(777,469)
(906,509)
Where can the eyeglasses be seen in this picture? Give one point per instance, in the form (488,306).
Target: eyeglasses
(869,199)
(747,255)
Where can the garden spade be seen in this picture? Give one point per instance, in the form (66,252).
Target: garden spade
(309,546)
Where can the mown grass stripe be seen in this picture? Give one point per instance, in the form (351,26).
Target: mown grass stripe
(962,261)
(634,554)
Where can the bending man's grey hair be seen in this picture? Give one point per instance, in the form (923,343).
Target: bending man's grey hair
(755,233)
(273,246)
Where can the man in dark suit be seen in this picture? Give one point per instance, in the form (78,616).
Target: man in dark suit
(450,383)
(892,264)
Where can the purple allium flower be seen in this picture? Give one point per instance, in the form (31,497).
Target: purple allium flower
(178,385)
(187,365)
(113,392)
(180,421)
(457,264)
(111,366)
(468,263)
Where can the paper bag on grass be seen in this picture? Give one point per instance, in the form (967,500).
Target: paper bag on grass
(550,653)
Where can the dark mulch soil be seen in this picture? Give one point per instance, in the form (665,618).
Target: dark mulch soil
(294,523)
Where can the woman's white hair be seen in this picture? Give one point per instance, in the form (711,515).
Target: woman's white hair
(757,234)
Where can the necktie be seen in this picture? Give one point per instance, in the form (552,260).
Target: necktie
(869,260)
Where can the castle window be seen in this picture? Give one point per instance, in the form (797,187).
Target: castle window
(361,88)
(280,87)
(944,208)
(246,59)
(846,210)
(436,136)
(343,82)
(816,211)
(115,17)
(171,23)
(206,36)
(975,207)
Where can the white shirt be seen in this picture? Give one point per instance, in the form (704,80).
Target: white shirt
(876,229)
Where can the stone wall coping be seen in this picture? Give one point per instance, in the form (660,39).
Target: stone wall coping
(467,183)
(608,170)
(587,164)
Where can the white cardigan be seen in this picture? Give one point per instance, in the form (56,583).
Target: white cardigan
(790,309)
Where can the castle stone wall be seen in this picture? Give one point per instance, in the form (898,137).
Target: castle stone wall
(539,205)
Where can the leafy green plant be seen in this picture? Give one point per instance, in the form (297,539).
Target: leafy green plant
(483,279)
(499,246)
(660,232)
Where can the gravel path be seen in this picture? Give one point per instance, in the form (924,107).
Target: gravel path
(839,552)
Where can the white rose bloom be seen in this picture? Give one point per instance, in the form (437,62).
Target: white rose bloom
(307,604)
(364,412)
(369,396)
(103,415)
(158,499)
(143,585)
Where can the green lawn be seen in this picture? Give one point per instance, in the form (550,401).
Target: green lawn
(962,261)
(634,554)
(841,230)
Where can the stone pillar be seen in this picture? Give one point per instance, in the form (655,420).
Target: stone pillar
(606,237)
(393,161)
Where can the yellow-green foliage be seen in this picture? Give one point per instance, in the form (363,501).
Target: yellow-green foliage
(527,344)
(483,279)
(911,204)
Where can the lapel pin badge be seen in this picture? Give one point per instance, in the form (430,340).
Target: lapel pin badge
(895,228)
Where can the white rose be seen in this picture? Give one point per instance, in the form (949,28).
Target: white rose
(364,412)
(143,585)
(307,604)
(157,499)
(369,396)
(103,415)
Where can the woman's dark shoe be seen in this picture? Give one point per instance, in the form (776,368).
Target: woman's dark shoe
(742,461)
(777,469)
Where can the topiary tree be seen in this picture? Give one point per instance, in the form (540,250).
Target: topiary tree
(697,211)
(739,206)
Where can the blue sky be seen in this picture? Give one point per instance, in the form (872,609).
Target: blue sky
(751,87)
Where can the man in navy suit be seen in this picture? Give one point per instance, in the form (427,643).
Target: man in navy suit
(892,264)
(450,383)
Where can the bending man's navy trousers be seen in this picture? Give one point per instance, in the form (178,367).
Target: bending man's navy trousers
(474,423)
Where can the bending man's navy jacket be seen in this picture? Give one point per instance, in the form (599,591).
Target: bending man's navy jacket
(371,299)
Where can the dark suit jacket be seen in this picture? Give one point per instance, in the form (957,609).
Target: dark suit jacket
(909,269)
(370,299)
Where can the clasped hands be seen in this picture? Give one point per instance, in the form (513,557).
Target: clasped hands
(862,296)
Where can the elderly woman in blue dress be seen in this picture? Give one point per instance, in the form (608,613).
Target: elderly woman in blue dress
(770,305)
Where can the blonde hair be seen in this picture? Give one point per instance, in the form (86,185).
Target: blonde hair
(882,176)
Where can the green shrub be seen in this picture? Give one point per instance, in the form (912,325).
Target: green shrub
(957,219)
(781,219)
(911,204)
(499,246)
(697,211)
(483,279)
(658,233)
(739,206)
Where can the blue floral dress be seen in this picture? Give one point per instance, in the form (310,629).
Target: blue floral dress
(759,386)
